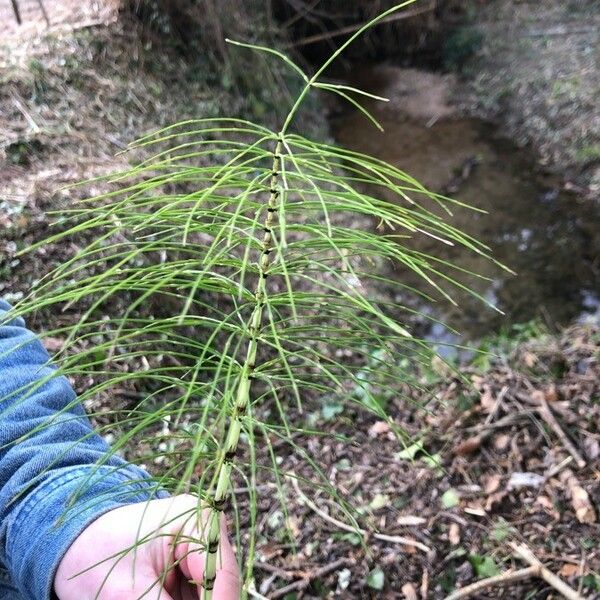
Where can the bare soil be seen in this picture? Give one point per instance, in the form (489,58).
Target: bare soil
(537,72)
(488,470)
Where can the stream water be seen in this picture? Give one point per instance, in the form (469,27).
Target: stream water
(550,238)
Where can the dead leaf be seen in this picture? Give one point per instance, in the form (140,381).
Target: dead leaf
(569,570)
(268,551)
(475,509)
(293,525)
(477,382)
(468,446)
(379,428)
(408,589)
(53,344)
(501,442)
(545,502)
(530,359)
(550,394)
(491,483)
(584,511)
(454,534)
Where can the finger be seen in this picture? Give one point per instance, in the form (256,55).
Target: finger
(227,583)
(191,557)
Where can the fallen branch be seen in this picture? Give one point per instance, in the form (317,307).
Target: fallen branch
(311,39)
(536,569)
(394,539)
(502,579)
(16,11)
(546,414)
(524,553)
(306,579)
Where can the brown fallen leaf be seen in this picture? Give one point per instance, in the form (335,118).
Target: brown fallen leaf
(293,525)
(546,503)
(569,570)
(475,509)
(530,359)
(580,500)
(454,534)
(468,446)
(584,511)
(501,442)
(408,589)
(379,428)
(491,483)
(53,344)
(477,381)
(550,393)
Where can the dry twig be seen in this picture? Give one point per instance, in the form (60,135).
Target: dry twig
(311,39)
(536,569)
(548,416)
(394,539)
(502,579)
(524,553)
(303,583)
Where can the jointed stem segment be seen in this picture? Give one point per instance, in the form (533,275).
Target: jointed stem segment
(242,398)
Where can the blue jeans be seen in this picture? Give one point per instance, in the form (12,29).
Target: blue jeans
(56,474)
(8,591)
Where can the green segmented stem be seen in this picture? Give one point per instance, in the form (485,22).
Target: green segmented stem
(242,397)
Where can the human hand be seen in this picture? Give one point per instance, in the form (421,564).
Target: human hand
(160,561)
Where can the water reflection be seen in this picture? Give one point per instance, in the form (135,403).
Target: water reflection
(549,238)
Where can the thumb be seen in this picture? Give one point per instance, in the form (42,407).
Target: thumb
(191,558)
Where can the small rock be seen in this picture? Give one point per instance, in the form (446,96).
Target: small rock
(519,480)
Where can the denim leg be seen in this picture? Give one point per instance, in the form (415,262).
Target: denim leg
(7,590)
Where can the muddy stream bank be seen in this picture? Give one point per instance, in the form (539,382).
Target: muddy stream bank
(550,238)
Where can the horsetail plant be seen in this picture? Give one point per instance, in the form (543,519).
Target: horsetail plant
(246,272)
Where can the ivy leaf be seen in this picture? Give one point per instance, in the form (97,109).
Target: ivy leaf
(330,411)
(450,498)
(376,579)
(379,501)
(484,566)
(410,451)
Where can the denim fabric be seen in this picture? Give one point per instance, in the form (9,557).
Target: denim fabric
(56,475)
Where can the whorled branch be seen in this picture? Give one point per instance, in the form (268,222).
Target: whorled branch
(242,398)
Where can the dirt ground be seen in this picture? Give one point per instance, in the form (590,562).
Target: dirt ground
(509,456)
(495,465)
(537,72)
(37,15)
